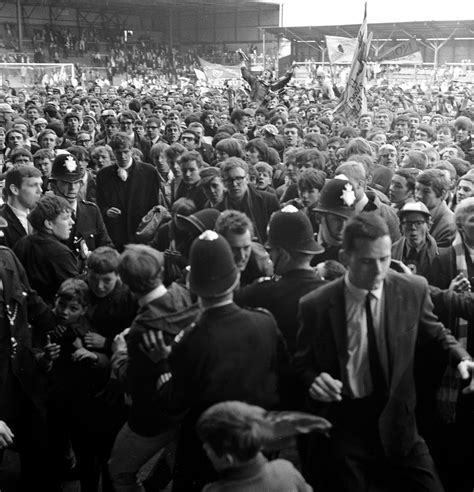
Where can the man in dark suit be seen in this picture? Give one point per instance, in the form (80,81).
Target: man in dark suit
(126,191)
(23,187)
(257,205)
(355,355)
(88,231)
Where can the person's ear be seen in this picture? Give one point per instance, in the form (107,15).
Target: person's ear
(48,225)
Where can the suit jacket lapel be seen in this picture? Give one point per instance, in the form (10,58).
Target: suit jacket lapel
(393,301)
(337,314)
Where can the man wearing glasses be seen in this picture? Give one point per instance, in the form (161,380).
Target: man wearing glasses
(152,130)
(257,205)
(127,125)
(416,248)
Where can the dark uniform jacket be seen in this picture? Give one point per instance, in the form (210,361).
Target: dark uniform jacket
(19,298)
(134,197)
(14,231)
(47,262)
(88,231)
(281,297)
(229,354)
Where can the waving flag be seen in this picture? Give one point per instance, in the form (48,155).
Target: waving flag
(340,50)
(218,74)
(354,99)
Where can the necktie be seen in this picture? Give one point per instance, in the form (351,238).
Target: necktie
(376,371)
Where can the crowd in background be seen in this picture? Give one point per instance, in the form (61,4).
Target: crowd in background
(88,171)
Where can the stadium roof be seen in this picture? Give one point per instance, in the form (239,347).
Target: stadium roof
(176,4)
(427,31)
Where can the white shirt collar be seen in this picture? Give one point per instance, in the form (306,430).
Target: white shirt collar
(152,295)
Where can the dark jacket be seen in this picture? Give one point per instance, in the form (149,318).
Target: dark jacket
(258,205)
(14,231)
(88,231)
(425,257)
(170,314)
(134,197)
(322,347)
(47,262)
(443,227)
(30,311)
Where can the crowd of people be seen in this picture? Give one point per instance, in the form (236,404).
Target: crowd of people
(210,278)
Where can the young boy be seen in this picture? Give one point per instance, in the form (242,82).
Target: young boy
(233,434)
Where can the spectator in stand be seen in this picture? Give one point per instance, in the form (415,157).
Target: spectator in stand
(432,187)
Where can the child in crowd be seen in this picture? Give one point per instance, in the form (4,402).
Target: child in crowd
(233,434)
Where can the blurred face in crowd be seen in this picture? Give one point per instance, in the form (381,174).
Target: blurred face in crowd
(382,120)
(334,225)
(236,183)
(380,139)
(388,157)
(102,284)
(61,226)
(210,121)
(172,134)
(16,140)
(214,190)
(67,190)
(464,189)
(190,172)
(291,137)
(45,165)
(414,122)
(427,195)
(241,245)
(29,192)
(415,228)
(462,135)
(264,179)
(88,125)
(448,153)
(152,130)
(72,125)
(32,114)
(126,125)
(48,141)
(365,123)
(252,156)
(101,158)
(68,311)
(401,129)
(123,155)
(444,137)
(421,135)
(84,140)
(308,196)
(188,140)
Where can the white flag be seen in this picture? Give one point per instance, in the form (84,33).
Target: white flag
(340,50)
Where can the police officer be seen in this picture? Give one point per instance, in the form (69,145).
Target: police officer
(230,354)
(89,231)
(292,246)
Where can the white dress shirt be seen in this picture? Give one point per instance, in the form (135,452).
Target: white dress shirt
(358,366)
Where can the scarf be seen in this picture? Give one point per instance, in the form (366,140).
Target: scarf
(448,392)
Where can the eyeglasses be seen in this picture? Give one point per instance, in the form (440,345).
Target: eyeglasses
(83,140)
(152,127)
(410,223)
(236,180)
